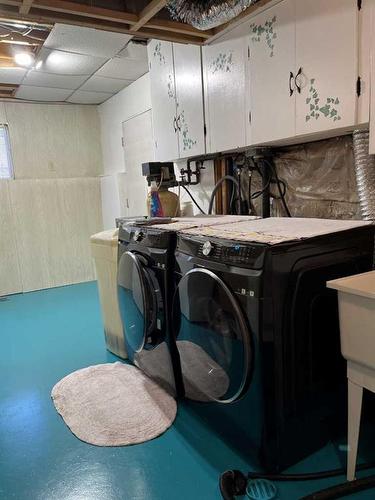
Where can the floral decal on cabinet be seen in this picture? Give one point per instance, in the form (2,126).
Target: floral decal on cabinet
(258,30)
(170,87)
(187,141)
(158,53)
(222,63)
(328,110)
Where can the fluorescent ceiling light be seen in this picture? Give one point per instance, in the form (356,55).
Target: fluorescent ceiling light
(25,59)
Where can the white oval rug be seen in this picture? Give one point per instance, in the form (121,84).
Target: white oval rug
(113,404)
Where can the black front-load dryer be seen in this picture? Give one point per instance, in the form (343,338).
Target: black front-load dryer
(258,338)
(145,257)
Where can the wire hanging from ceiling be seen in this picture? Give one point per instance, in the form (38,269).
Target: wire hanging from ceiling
(208,14)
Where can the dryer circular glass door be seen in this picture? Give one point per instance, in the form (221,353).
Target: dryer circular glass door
(213,338)
(138,302)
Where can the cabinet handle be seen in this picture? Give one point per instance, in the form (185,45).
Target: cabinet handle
(298,87)
(291,89)
(178,123)
(175,124)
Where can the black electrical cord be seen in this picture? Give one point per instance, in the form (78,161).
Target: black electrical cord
(308,476)
(218,184)
(343,489)
(193,199)
(233,482)
(278,183)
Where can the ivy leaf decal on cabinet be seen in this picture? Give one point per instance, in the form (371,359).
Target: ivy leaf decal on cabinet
(158,53)
(222,63)
(187,141)
(170,87)
(266,29)
(328,109)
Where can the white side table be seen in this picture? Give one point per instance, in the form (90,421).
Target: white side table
(356,295)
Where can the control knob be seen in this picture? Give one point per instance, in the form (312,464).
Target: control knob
(207,248)
(138,235)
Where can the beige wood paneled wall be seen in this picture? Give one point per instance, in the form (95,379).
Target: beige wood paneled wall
(53,206)
(10,281)
(54,141)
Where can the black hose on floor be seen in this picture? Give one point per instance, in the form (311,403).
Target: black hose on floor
(343,489)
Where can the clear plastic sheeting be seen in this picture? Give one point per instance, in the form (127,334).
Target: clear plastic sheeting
(320,178)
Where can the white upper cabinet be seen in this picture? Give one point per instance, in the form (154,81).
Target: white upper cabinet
(272,63)
(189,92)
(177,100)
(226,102)
(326,64)
(163,97)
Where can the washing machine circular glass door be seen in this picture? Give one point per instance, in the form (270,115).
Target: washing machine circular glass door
(139,302)
(213,338)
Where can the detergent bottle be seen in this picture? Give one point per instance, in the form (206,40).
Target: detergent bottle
(156,209)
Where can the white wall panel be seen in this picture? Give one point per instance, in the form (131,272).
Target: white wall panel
(55,219)
(54,141)
(10,281)
(110,200)
(128,103)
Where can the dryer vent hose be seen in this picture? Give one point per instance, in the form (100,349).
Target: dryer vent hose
(365,173)
(364,164)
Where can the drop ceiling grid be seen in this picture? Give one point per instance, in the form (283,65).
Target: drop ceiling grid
(108,71)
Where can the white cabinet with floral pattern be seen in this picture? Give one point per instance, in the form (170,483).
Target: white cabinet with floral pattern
(327,64)
(272,61)
(304,68)
(226,100)
(177,100)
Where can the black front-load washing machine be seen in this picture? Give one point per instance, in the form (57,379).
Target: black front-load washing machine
(145,258)
(258,337)
(145,293)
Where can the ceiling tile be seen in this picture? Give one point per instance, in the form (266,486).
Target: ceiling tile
(40,79)
(126,69)
(81,97)
(103,84)
(87,41)
(134,51)
(65,63)
(42,93)
(12,75)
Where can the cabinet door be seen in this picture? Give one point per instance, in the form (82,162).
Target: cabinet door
(189,92)
(272,60)
(326,54)
(163,98)
(224,73)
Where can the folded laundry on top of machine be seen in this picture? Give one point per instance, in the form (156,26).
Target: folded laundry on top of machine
(276,230)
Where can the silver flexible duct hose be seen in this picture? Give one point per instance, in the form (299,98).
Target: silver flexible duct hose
(364,164)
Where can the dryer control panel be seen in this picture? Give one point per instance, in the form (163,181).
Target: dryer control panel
(223,251)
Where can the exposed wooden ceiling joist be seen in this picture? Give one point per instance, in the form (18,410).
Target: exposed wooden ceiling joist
(144,25)
(25,6)
(85,11)
(149,12)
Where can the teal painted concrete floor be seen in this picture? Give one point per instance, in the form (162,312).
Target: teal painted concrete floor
(48,334)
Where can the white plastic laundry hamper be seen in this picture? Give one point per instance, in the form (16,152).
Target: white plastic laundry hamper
(104,251)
